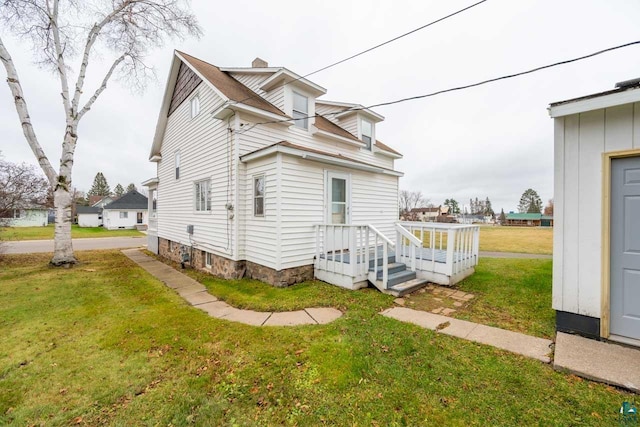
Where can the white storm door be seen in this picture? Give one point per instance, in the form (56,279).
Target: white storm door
(338,198)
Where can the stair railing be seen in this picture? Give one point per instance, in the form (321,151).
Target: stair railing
(414,246)
(379,239)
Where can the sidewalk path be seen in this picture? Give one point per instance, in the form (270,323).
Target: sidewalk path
(39,246)
(196,295)
(536,348)
(485,254)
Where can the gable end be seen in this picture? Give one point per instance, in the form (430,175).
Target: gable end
(186,83)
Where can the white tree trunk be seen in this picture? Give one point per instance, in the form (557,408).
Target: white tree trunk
(63,248)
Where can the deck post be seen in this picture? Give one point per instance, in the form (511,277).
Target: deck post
(385,268)
(451,244)
(317,263)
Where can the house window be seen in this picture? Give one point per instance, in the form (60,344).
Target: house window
(124,215)
(177,164)
(258,195)
(208,260)
(300,111)
(195,106)
(202,196)
(367,132)
(12,214)
(171,246)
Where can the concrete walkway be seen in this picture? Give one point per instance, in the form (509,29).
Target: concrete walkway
(536,348)
(196,295)
(485,254)
(599,361)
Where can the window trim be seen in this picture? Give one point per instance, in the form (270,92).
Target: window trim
(207,201)
(208,259)
(304,113)
(194,104)
(255,197)
(125,216)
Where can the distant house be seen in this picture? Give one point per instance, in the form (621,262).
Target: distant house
(101,201)
(27,217)
(528,220)
(429,214)
(129,211)
(89,216)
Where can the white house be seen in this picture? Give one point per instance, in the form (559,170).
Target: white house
(89,216)
(257,176)
(28,217)
(596,246)
(128,211)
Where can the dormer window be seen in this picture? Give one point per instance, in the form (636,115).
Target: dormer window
(300,111)
(366,133)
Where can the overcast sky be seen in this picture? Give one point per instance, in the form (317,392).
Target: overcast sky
(492,141)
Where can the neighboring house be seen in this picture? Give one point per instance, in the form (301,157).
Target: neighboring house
(128,211)
(101,201)
(596,246)
(253,180)
(528,220)
(89,216)
(28,217)
(430,214)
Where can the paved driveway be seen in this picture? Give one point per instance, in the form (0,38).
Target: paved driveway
(35,246)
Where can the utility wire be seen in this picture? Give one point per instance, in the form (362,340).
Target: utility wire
(376,46)
(458,88)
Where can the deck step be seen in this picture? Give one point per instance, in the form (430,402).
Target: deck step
(407,287)
(391,259)
(395,267)
(400,277)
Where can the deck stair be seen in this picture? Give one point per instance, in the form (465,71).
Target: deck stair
(401,281)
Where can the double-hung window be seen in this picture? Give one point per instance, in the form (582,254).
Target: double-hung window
(367,132)
(124,215)
(202,196)
(300,111)
(177,164)
(258,195)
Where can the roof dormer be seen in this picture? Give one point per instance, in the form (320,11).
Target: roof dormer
(362,123)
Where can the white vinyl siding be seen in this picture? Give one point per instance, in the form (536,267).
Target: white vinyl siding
(253,82)
(580,140)
(115,219)
(206,150)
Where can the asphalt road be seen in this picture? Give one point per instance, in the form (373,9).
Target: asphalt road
(38,246)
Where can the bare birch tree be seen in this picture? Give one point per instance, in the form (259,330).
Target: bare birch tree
(62,31)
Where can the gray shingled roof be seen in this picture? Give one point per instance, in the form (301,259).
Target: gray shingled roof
(88,210)
(131,200)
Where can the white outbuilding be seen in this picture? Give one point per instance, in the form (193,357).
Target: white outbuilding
(596,246)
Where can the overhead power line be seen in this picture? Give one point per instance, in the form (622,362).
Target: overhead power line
(378,45)
(459,88)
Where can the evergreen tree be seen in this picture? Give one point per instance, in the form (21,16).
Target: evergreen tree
(131,187)
(503,217)
(100,186)
(530,202)
(118,191)
(488,210)
(454,208)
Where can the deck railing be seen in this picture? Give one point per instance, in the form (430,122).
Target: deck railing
(351,250)
(445,248)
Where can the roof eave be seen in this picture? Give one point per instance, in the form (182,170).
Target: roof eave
(289,77)
(338,138)
(361,110)
(593,102)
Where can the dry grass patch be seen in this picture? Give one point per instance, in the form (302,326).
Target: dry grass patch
(530,240)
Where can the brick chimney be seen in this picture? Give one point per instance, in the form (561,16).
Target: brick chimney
(259,63)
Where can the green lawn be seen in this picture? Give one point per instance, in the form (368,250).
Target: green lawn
(512,294)
(44,233)
(104,343)
(531,240)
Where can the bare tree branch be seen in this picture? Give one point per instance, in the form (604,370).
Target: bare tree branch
(23,113)
(62,68)
(102,87)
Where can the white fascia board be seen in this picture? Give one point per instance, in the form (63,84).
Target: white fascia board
(282,120)
(338,138)
(336,103)
(364,111)
(319,158)
(596,103)
(387,153)
(290,76)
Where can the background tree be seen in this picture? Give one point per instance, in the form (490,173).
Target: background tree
(22,186)
(454,208)
(410,200)
(118,191)
(61,30)
(488,210)
(530,202)
(503,217)
(100,186)
(548,210)
(131,187)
